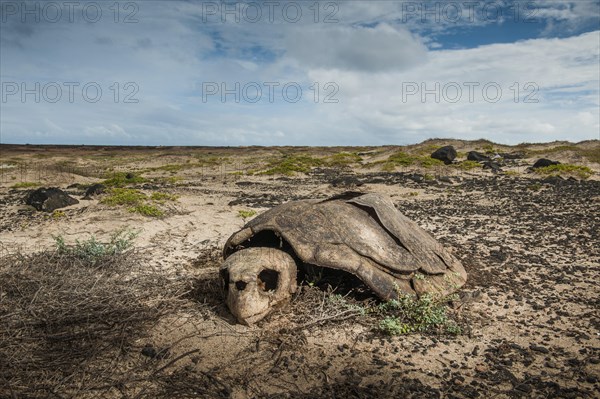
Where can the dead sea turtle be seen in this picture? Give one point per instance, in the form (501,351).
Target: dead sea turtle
(362,234)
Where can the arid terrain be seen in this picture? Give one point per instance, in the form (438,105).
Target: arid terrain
(151,322)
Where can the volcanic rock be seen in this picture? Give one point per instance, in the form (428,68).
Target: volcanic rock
(49,199)
(477,156)
(445,154)
(543,162)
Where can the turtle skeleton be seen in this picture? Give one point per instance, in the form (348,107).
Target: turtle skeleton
(362,234)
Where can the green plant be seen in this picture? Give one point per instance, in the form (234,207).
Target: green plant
(490,149)
(26,184)
(58,214)
(467,165)
(121,179)
(409,314)
(343,159)
(123,196)
(291,164)
(161,197)
(137,201)
(147,210)
(246,214)
(92,251)
(583,172)
(340,301)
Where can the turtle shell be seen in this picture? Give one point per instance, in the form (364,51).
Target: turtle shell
(363,234)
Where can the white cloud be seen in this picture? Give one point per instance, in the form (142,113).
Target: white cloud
(369,54)
(380,48)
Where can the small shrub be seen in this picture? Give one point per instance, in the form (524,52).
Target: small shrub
(468,165)
(121,179)
(409,314)
(123,196)
(26,184)
(246,214)
(92,251)
(161,197)
(583,172)
(344,159)
(137,201)
(291,164)
(147,210)
(58,214)
(489,149)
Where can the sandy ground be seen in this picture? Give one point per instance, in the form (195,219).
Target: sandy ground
(530,244)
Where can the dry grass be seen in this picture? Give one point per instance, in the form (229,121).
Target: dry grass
(70,328)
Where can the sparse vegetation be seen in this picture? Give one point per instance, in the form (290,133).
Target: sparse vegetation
(26,184)
(147,210)
(73,320)
(591,154)
(122,179)
(244,214)
(403,159)
(289,165)
(137,201)
(161,197)
(123,196)
(467,165)
(490,149)
(57,214)
(409,314)
(343,159)
(583,172)
(92,251)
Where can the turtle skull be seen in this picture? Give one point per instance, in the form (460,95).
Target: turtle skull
(255,280)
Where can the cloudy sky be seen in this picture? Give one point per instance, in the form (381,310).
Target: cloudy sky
(298,72)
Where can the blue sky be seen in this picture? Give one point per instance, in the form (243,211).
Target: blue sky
(298,72)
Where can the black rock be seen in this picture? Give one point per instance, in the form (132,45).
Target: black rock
(554,180)
(445,154)
(477,157)
(543,162)
(244,183)
(512,155)
(493,166)
(417,178)
(93,190)
(49,199)
(538,348)
(346,181)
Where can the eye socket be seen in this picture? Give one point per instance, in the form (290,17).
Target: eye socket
(268,280)
(240,285)
(225,279)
